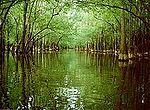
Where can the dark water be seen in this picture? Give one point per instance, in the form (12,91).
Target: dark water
(70,80)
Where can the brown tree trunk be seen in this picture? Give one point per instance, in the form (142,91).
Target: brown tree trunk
(24,25)
(123,55)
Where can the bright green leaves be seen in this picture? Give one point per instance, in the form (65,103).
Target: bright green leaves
(60,21)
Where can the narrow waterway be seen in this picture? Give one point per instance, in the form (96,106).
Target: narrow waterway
(72,80)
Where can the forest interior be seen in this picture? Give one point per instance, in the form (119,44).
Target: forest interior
(97,49)
(120,26)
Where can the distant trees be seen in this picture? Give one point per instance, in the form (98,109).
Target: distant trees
(134,19)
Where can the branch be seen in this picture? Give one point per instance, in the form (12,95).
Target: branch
(4,2)
(5,16)
(38,40)
(115,17)
(46,35)
(35,17)
(53,15)
(47,23)
(133,4)
(59,39)
(125,9)
(118,7)
(42,37)
(32,5)
(107,23)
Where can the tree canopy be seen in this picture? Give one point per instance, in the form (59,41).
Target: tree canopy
(70,23)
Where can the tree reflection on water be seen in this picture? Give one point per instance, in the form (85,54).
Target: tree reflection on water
(73,80)
(134,90)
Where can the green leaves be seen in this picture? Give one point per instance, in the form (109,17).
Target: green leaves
(74,22)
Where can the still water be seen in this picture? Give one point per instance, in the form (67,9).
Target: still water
(71,80)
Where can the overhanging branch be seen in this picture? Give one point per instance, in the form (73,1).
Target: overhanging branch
(117,7)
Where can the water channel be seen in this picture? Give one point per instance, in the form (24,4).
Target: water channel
(72,80)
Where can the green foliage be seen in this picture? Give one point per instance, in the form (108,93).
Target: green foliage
(73,22)
(64,21)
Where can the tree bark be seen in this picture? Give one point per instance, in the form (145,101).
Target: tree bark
(123,55)
(24,25)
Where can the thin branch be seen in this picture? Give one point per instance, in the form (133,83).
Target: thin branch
(32,5)
(53,15)
(139,17)
(107,23)
(133,4)
(5,16)
(42,37)
(15,19)
(35,17)
(38,40)
(118,7)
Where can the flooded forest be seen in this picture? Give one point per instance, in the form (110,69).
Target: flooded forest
(74,54)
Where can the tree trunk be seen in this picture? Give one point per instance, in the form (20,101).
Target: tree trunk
(123,55)
(2,41)
(24,26)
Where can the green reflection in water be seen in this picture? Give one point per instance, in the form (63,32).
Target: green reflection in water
(63,81)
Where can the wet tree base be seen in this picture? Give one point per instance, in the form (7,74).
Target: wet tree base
(123,57)
(137,56)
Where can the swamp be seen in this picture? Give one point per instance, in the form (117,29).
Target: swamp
(74,55)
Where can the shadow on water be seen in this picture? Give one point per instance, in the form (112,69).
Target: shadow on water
(134,89)
(70,80)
